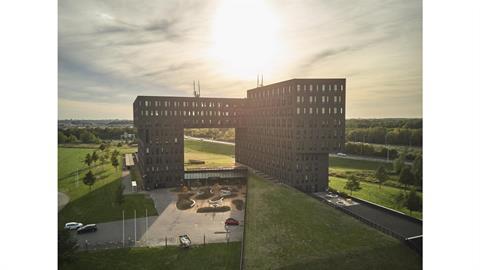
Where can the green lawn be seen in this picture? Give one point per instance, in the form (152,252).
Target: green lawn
(98,204)
(287,229)
(371,192)
(211,256)
(214,154)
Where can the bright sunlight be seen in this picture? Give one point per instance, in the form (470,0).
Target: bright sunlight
(245,39)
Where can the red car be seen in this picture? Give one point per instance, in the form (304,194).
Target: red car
(231,221)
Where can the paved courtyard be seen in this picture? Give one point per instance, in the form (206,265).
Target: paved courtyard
(170,223)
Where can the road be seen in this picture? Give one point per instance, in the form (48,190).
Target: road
(208,140)
(355,157)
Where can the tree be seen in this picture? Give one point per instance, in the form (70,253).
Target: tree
(352,184)
(94,157)
(88,137)
(72,139)
(115,162)
(406,177)
(119,198)
(102,147)
(381,175)
(413,202)
(67,245)
(417,170)
(89,179)
(88,159)
(399,163)
(399,199)
(115,153)
(62,138)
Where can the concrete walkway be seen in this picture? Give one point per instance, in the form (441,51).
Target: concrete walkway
(63,199)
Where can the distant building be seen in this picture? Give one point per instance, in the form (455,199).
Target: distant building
(285,130)
(127,136)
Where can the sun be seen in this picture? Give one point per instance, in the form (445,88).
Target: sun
(245,38)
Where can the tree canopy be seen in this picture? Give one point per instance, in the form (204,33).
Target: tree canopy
(352,184)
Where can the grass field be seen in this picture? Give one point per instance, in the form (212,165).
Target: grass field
(98,204)
(212,256)
(371,192)
(214,154)
(287,229)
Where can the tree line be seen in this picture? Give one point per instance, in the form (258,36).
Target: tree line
(409,123)
(379,151)
(92,135)
(382,135)
(410,176)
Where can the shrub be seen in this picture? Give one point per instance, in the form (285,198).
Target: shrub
(184,204)
(213,209)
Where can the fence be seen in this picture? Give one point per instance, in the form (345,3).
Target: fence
(155,242)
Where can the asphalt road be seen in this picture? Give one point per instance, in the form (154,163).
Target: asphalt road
(399,224)
(355,157)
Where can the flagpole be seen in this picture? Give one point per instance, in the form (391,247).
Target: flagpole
(135,224)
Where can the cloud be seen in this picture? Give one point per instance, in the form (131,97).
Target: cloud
(110,52)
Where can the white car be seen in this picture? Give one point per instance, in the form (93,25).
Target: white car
(73,225)
(341,154)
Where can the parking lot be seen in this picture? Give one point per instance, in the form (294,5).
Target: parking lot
(169,224)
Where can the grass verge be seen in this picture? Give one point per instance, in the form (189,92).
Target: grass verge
(372,193)
(211,256)
(287,229)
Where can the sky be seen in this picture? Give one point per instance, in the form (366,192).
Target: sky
(111,51)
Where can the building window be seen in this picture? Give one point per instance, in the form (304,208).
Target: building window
(298,110)
(298,99)
(341,87)
(298,87)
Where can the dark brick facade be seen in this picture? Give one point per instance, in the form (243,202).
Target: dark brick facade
(285,130)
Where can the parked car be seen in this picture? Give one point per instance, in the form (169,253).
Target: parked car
(87,228)
(341,154)
(73,225)
(231,221)
(184,241)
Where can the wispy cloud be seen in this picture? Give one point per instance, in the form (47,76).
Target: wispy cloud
(110,52)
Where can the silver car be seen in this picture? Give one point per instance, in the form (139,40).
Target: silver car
(73,225)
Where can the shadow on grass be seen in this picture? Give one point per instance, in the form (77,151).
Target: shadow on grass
(373,258)
(100,205)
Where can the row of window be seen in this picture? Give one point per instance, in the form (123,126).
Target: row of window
(313,99)
(186,104)
(288,89)
(316,111)
(186,113)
